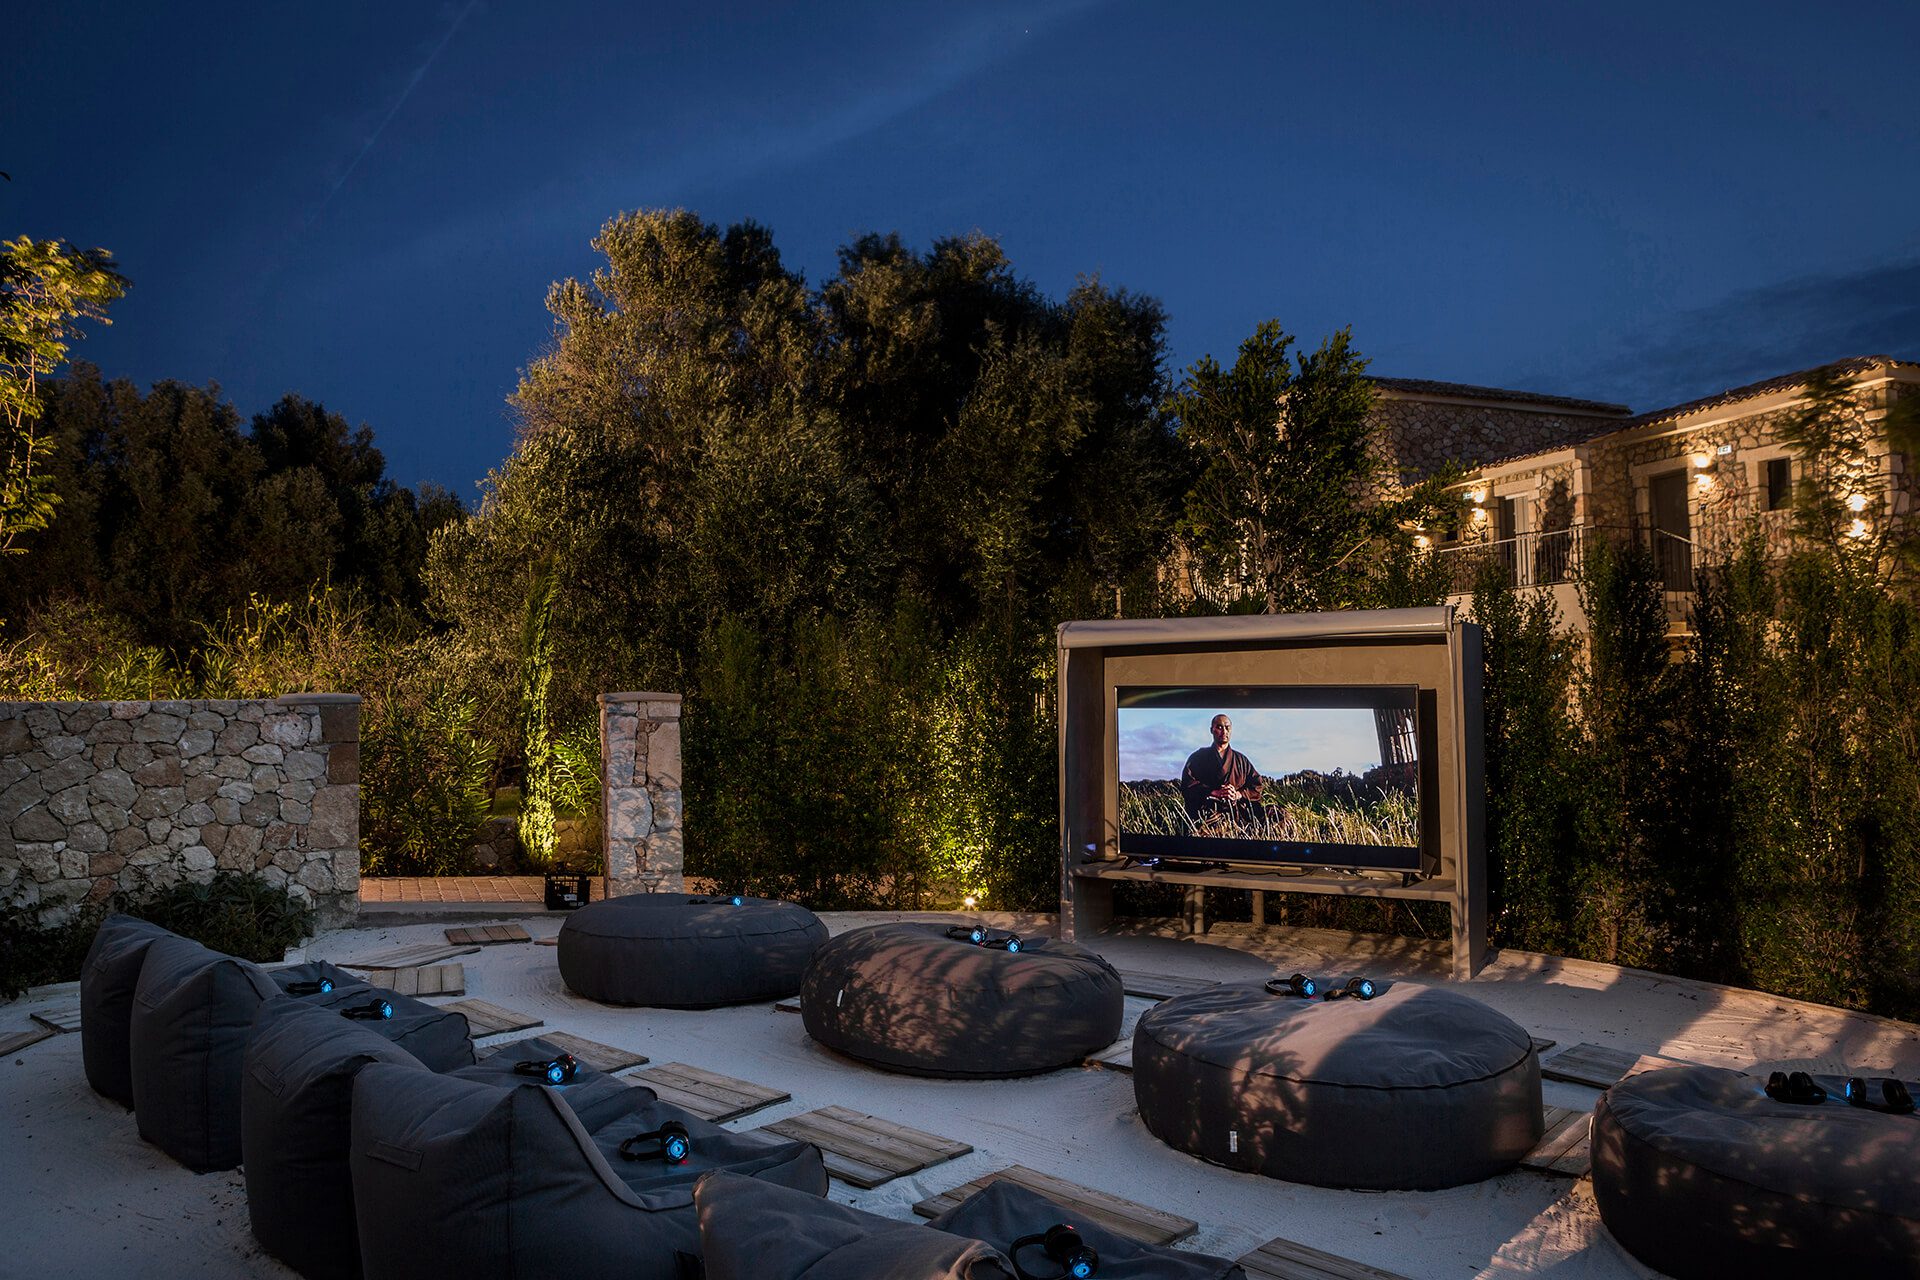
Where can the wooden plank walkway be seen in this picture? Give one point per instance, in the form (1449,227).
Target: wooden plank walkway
(705,1093)
(866,1151)
(484,1019)
(788,1006)
(1161,986)
(1283,1259)
(591,1053)
(1541,1046)
(422,980)
(1142,1222)
(408,957)
(14,1041)
(63,1019)
(487,935)
(1566,1148)
(1599,1067)
(1117,1056)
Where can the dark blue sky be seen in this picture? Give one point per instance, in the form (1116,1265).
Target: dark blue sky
(365,203)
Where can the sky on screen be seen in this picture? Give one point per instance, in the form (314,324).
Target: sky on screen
(1156,741)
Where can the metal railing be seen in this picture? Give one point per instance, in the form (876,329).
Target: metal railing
(1554,557)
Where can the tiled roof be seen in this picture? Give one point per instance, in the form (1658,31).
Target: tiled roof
(1417,387)
(1847,368)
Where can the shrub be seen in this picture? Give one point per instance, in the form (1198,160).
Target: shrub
(426,784)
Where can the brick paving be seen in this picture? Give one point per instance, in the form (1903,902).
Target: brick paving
(482,889)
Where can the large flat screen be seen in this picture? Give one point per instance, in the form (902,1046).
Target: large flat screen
(1313,776)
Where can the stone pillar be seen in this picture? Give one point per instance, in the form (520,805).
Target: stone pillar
(332,838)
(640,796)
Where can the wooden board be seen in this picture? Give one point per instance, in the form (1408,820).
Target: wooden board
(1161,986)
(1566,1148)
(67,1019)
(788,1006)
(1599,1067)
(424,980)
(1284,1260)
(710,1096)
(408,957)
(591,1053)
(1117,1056)
(487,935)
(14,1041)
(1155,1226)
(866,1151)
(547,942)
(1541,1046)
(485,1019)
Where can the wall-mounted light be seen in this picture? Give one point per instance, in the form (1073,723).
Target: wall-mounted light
(1859,529)
(1702,462)
(1857,503)
(1478,497)
(1422,541)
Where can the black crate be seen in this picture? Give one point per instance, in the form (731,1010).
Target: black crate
(566,891)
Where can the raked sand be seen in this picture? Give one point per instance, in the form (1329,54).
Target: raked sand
(84,1196)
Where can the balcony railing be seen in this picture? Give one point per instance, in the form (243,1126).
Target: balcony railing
(1555,557)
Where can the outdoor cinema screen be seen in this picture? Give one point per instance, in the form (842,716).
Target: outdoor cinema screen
(1301,775)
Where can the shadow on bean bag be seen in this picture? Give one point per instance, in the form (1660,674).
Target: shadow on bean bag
(485,1173)
(753,1230)
(107,983)
(296,1107)
(1002,1213)
(1698,1173)
(192,1012)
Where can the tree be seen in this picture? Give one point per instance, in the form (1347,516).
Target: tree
(46,288)
(1291,491)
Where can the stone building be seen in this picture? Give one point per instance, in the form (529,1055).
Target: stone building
(1550,473)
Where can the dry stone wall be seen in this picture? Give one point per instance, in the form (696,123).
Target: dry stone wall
(640,808)
(100,797)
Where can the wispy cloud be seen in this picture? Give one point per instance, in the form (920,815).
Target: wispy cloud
(413,82)
(1758,333)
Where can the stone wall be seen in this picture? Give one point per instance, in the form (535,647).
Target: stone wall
(1417,437)
(640,804)
(99,797)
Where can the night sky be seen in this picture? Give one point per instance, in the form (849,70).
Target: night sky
(365,203)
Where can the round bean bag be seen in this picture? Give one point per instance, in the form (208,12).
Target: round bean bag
(1699,1173)
(685,951)
(1416,1089)
(910,998)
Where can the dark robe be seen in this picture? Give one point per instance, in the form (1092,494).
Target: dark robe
(1207,771)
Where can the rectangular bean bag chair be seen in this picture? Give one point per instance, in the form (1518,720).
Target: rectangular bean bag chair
(192,1013)
(487,1175)
(107,982)
(296,1109)
(754,1230)
(291,976)
(1003,1215)
(437,1037)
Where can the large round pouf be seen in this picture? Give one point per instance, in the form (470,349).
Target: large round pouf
(1416,1089)
(684,951)
(1698,1173)
(909,998)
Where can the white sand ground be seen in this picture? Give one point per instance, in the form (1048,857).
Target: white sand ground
(82,1196)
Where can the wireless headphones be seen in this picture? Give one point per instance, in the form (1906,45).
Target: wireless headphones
(1797,1088)
(675,1145)
(1358,988)
(735,901)
(372,1011)
(557,1071)
(319,988)
(1894,1098)
(1063,1245)
(1298,985)
(980,937)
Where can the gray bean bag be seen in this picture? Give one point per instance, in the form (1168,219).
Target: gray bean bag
(686,951)
(1417,1089)
(755,1230)
(483,1174)
(439,1038)
(909,998)
(1698,1173)
(291,976)
(296,1099)
(192,1012)
(1002,1213)
(107,982)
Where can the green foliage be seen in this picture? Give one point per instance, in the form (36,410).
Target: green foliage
(46,288)
(426,783)
(238,913)
(538,837)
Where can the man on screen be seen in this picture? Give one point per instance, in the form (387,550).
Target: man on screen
(1218,777)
